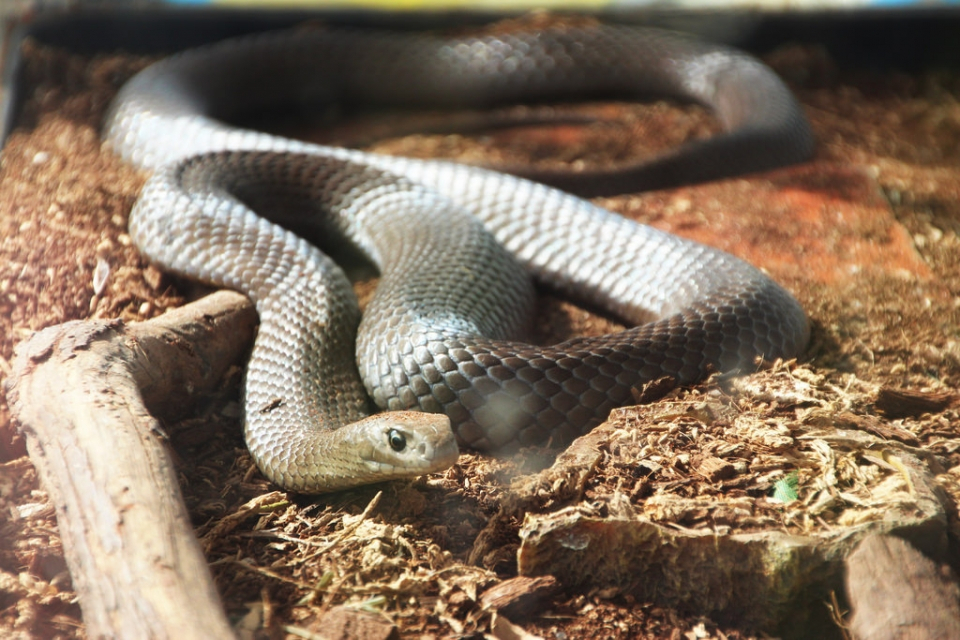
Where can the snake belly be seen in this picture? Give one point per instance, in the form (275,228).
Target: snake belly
(439,345)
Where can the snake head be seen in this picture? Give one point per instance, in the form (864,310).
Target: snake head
(405,444)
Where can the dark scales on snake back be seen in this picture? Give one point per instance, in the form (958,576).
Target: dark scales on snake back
(455,245)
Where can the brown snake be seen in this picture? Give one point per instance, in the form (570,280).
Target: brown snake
(455,245)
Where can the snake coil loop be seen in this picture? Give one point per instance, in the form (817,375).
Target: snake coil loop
(455,245)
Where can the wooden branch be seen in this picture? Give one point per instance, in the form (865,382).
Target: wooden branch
(79,392)
(897,593)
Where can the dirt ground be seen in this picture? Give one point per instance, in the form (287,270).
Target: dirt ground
(867,236)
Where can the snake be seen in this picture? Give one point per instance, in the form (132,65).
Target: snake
(439,359)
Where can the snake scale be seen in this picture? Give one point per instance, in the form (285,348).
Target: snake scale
(439,346)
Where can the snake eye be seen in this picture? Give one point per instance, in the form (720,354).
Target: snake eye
(398,441)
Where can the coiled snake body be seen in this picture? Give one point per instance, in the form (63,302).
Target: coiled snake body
(455,245)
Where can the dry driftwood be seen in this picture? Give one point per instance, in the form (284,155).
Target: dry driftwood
(80,392)
(897,593)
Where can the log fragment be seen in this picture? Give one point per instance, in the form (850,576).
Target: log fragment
(768,580)
(80,392)
(897,593)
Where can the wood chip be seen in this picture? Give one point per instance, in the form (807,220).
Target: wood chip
(877,427)
(906,403)
(654,390)
(347,623)
(519,598)
(716,469)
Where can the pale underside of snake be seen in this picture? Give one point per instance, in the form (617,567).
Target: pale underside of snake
(439,345)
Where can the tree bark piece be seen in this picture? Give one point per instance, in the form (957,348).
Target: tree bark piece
(346,623)
(897,593)
(521,597)
(80,393)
